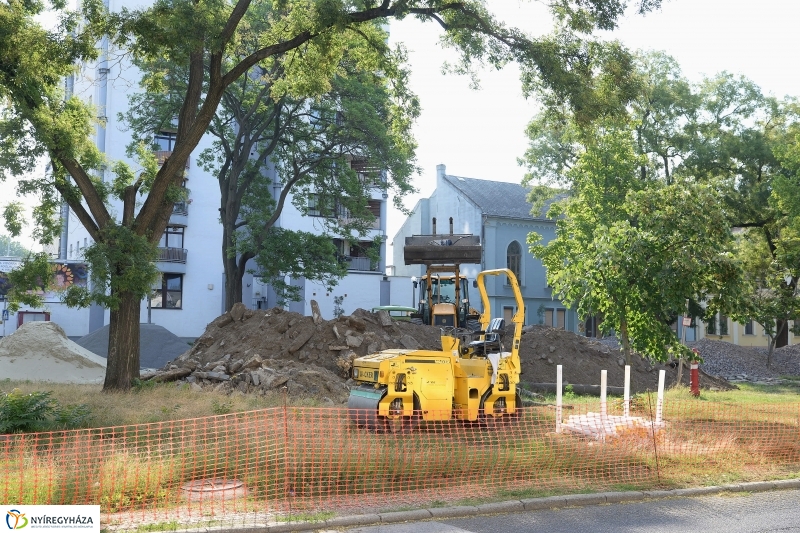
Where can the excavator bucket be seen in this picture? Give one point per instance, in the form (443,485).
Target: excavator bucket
(442,248)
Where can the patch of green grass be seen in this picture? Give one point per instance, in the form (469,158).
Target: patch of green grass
(306,517)
(171,525)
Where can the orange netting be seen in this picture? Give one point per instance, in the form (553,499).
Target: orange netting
(297,463)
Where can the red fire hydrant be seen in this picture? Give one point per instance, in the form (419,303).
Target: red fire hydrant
(694,373)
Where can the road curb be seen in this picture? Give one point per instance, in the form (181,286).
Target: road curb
(527,504)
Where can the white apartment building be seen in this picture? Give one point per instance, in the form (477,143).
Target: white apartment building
(190,294)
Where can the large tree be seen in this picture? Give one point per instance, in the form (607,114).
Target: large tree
(330,151)
(39,120)
(633,251)
(722,135)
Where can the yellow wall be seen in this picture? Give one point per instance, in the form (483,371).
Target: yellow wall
(737,336)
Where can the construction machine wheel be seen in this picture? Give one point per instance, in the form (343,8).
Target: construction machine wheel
(493,421)
(362,406)
(473,325)
(402,424)
(417,321)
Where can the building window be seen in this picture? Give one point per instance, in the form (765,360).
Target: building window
(319,206)
(170,294)
(514,260)
(172,237)
(723,325)
(748,328)
(717,325)
(165,140)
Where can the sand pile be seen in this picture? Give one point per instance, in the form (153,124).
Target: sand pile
(41,351)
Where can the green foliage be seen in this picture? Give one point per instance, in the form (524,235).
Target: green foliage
(29,281)
(297,253)
(12,248)
(221,408)
(38,411)
(121,261)
(13,214)
(634,250)
(728,148)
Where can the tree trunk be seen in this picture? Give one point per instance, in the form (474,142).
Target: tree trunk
(123,344)
(769,352)
(233,282)
(626,345)
(781,333)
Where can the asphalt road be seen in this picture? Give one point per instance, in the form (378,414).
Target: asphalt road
(733,512)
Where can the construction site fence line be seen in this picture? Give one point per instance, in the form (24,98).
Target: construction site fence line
(300,463)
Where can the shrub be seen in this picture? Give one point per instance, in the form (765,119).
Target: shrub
(38,411)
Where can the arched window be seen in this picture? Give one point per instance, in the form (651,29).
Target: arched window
(514,259)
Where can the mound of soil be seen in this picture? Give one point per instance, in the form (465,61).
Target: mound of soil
(258,351)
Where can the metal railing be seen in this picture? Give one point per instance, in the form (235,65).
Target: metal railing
(362,264)
(172,255)
(163,155)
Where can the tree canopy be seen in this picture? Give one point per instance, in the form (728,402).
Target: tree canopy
(720,145)
(331,151)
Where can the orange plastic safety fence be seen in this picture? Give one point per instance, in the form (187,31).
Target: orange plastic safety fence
(293,463)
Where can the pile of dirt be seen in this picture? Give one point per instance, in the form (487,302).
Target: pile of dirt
(41,351)
(259,351)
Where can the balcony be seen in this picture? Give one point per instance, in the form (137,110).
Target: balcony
(172,260)
(163,155)
(180,214)
(361,264)
(344,220)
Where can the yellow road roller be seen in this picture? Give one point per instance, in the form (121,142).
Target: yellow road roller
(473,378)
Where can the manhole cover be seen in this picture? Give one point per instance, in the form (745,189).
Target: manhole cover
(213,489)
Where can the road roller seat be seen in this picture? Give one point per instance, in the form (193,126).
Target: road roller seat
(492,338)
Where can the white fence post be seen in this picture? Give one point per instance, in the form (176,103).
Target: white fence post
(660,399)
(603,387)
(558,399)
(626,399)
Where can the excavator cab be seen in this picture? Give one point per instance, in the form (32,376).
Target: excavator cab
(447,304)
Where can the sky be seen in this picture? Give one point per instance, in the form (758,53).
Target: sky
(480,133)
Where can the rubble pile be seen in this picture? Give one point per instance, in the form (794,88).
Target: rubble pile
(256,352)
(261,351)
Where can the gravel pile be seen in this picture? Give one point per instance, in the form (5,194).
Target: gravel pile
(739,363)
(742,363)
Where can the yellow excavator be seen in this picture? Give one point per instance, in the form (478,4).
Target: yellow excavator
(444,292)
(473,378)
